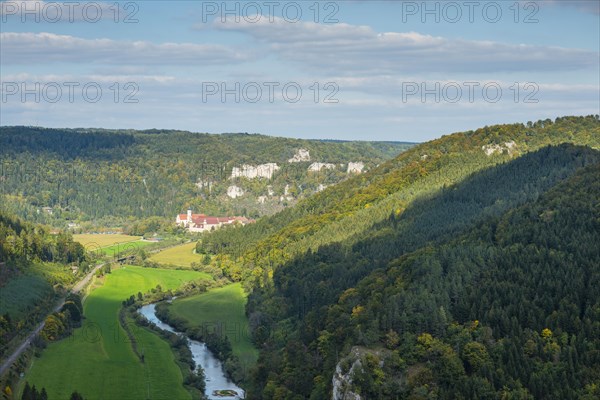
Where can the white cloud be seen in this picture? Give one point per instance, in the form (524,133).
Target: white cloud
(359,49)
(27,48)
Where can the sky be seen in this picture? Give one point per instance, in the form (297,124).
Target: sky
(351,70)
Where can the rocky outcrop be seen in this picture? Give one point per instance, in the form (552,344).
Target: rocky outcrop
(301,155)
(317,166)
(355,167)
(234,191)
(252,172)
(508,147)
(342,380)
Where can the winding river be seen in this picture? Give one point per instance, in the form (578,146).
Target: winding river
(213,368)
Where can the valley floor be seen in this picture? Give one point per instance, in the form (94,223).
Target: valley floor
(98,361)
(222,309)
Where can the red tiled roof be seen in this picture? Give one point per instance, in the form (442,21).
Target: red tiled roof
(201,220)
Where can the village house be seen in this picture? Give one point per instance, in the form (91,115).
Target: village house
(203,223)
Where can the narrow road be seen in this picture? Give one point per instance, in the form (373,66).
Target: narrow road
(19,350)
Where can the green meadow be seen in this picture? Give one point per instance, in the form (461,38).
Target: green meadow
(110,244)
(97,359)
(22,293)
(127,247)
(224,306)
(182,255)
(90,240)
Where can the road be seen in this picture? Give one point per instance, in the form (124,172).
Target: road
(19,350)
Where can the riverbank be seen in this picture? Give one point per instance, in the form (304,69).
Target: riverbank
(218,319)
(217,383)
(98,360)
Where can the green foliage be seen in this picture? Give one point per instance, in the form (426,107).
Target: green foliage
(463,262)
(33,274)
(101,350)
(217,318)
(144,178)
(22,240)
(347,210)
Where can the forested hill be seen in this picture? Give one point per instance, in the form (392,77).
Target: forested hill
(106,175)
(34,270)
(23,241)
(348,209)
(454,309)
(405,268)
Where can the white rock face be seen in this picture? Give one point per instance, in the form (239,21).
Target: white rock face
(300,156)
(355,167)
(498,148)
(342,383)
(270,191)
(205,184)
(234,191)
(252,172)
(316,167)
(286,194)
(321,187)
(261,199)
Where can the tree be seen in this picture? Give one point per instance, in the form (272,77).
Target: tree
(76,396)
(475,356)
(26,395)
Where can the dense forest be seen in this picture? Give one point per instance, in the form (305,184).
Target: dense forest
(34,269)
(344,211)
(466,267)
(525,282)
(25,241)
(440,274)
(109,178)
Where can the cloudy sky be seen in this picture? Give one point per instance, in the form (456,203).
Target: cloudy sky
(390,70)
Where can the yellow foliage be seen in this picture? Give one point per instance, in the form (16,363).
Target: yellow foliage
(356,311)
(425,339)
(546,333)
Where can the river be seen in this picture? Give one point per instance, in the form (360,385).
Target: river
(213,368)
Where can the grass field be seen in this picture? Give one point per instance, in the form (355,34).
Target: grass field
(128,247)
(97,359)
(110,244)
(23,293)
(221,307)
(182,255)
(101,240)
